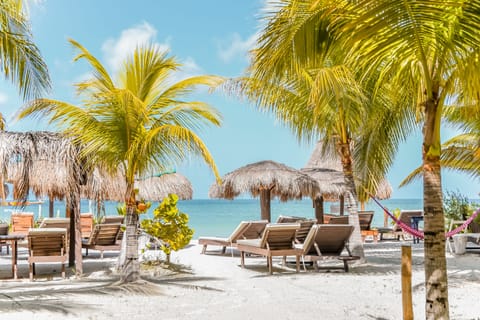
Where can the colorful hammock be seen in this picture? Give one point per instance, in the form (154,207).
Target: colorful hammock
(419,234)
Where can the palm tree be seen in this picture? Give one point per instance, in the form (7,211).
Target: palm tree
(21,59)
(427,52)
(139,126)
(303,79)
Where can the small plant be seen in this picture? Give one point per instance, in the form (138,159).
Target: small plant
(170,225)
(456,206)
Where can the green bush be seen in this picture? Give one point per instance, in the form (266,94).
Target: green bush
(169,224)
(456,206)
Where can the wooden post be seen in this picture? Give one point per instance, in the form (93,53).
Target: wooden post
(385,219)
(407,282)
(318,204)
(50,206)
(265,204)
(342,205)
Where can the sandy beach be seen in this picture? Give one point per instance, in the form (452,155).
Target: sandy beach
(214,286)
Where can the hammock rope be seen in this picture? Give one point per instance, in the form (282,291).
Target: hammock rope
(419,234)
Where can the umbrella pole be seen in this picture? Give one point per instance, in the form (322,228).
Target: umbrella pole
(50,207)
(318,204)
(342,205)
(265,204)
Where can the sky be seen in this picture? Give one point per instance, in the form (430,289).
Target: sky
(207,37)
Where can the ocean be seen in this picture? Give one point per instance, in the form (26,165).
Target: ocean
(213,217)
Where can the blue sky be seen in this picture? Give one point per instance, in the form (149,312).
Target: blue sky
(208,37)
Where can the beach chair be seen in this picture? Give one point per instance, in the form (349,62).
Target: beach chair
(305,225)
(4,231)
(365,219)
(245,230)
(338,220)
(103,238)
(278,239)
(56,223)
(47,245)
(86,224)
(115,219)
(328,241)
(21,222)
(397,232)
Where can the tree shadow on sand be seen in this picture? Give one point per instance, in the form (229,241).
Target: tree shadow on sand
(59,297)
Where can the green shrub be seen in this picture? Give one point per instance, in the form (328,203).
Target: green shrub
(170,225)
(456,206)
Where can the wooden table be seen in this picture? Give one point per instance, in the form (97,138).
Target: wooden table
(13,238)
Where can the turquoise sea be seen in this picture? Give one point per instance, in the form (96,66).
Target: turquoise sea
(210,217)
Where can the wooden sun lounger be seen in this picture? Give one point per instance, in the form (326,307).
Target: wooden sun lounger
(244,230)
(47,245)
(103,238)
(328,241)
(277,240)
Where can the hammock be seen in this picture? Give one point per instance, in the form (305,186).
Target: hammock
(419,234)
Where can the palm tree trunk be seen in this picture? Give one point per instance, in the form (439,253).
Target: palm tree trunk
(356,244)
(131,266)
(436,286)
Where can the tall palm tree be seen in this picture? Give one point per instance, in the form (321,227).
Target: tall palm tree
(21,61)
(427,52)
(139,124)
(299,75)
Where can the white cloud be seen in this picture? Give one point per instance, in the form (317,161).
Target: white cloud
(237,47)
(115,50)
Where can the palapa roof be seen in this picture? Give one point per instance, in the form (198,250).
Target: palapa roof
(39,161)
(285,182)
(321,164)
(103,186)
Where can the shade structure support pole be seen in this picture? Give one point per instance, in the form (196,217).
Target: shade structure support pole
(265,204)
(50,207)
(318,204)
(75,241)
(342,205)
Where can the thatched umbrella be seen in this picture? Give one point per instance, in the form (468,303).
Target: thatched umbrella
(326,168)
(103,186)
(48,164)
(267,179)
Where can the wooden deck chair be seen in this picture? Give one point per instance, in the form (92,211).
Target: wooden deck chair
(304,229)
(86,224)
(278,239)
(47,245)
(328,241)
(56,223)
(405,216)
(21,222)
(244,230)
(365,219)
(289,219)
(114,219)
(103,238)
(338,220)
(4,243)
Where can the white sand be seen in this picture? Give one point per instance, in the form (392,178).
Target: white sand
(213,286)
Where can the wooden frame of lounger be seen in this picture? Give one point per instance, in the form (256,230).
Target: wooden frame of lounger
(405,216)
(244,230)
(328,241)
(103,238)
(21,222)
(277,240)
(47,245)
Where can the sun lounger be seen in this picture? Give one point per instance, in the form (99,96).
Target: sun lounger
(86,224)
(103,238)
(55,223)
(4,243)
(21,222)
(114,219)
(47,245)
(397,232)
(277,240)
(328,241)
(305,225)
(338,220)
(245,230)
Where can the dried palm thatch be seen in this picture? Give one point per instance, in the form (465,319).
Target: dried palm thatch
(44,162)
(331,183)
(103,186)
(324,158)
(268,179)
